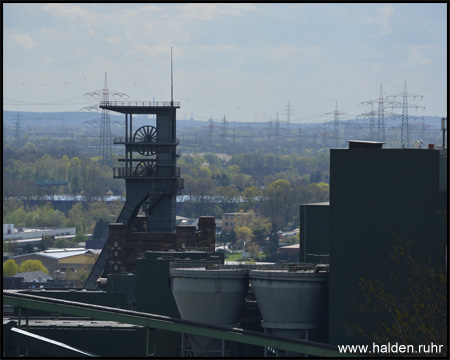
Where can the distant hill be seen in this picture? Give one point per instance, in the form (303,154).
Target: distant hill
(75,119)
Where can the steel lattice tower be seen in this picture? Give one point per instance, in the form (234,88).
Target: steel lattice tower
(335,140)
(372,130)
(211,132)
(105,129)
(277,136)
(381,135)
(288,111)
(18,131)
(404,139)
(405,127)
(224,132)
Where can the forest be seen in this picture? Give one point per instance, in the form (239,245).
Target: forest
(267,184)
(265,169)
(273,185)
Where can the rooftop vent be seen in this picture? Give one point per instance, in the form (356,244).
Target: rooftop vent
(364,145)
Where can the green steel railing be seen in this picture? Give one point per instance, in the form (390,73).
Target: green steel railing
(153,321)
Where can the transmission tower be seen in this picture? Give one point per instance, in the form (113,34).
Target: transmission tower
(381,134)
(300,137)
(277,135)
(336,113)
(224,132)
(288,110)
(372,130)
(105,129)
(105,143)
(211,126)
(404,139)
(378,132)
(405,124)
(17,131)
(371,116)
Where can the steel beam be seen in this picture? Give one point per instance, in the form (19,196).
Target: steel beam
(171,324)
(45,346)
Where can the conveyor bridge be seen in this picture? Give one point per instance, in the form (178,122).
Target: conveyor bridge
(153,321)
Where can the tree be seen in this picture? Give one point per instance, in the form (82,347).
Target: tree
(78,276)
(251,196)
(274,241)
(226,237)
(279,201)
(414,310)
(46,242)
(28,248)
(244,233)
(229,197)
(62,243)
(101,230)
(32,265)
(10,268)
(261,227)
(252,248)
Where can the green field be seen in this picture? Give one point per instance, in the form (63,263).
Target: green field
(233,257)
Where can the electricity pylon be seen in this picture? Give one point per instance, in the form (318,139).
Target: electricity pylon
(105,143)
(404,140)
(335,138)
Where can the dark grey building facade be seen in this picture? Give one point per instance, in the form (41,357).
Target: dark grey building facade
(377,196)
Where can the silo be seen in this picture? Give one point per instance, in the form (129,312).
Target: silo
(292,299)
(210,293)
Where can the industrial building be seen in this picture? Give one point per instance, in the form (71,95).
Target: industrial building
(61,259)
(10,232)
(173,295)
(377,196)
(20,237)
(151,267)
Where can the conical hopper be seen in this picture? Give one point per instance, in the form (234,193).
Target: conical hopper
(291,302)
(214,295)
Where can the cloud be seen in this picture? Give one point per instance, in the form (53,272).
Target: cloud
(284,51)
(113,39)
(207,11)
(416,59)
(46,60)
(55,35)
(23,40)
(385,14)
(73,12)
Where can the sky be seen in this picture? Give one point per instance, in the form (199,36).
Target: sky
(245,62)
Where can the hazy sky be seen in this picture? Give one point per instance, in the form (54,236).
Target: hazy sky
(242,61)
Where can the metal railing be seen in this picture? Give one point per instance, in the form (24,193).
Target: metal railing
(161,172)
(129,140)
(291,267)
(204,265)
(140,103)
(161,322)
(217,265)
